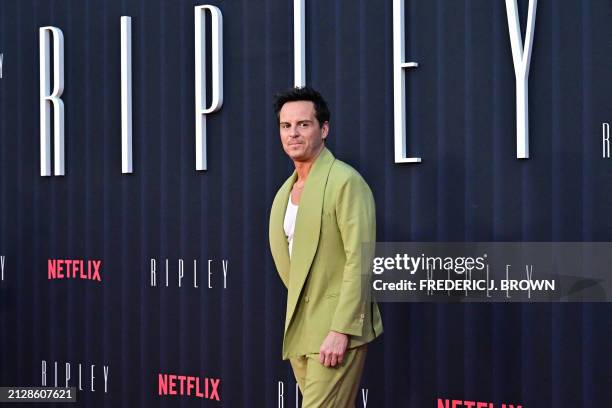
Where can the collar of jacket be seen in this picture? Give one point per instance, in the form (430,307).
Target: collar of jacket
(307,228)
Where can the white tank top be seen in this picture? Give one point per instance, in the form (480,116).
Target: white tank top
(289,223)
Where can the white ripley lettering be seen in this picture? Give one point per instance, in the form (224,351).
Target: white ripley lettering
(399,85)
(507,279)
(521,57)
(281,394)
(181,272)
(200,76)
(529,272)
(126,94)
(66,379)
(50,99)
(153,276)
(105,369)
(225,263)
(299,43)
(209,273)
(605,140)
(364,397)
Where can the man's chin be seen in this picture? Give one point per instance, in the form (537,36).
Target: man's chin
(297,156)
(302,155)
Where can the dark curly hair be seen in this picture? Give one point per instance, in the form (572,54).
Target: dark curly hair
(304,93)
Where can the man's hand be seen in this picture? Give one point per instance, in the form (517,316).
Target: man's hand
(333,348)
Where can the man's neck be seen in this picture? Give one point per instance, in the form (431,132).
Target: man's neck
(303,168)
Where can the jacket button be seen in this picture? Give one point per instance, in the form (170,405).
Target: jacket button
(306,299)
(362,315)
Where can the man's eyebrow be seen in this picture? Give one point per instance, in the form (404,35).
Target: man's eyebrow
(299,121)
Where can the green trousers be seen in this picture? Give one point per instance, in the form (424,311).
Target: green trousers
(333,387)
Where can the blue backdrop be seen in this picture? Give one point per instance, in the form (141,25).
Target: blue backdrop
(469,187)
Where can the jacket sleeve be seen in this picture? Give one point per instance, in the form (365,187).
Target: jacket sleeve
(356,217)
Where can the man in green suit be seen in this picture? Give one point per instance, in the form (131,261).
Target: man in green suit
(320,220)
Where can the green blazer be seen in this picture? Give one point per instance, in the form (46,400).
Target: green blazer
(326,291)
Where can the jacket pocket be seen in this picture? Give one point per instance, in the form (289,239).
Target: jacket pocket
(332,295)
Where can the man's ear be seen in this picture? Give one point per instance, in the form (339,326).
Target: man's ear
(325,129)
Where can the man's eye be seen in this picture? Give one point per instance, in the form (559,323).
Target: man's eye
(304,124)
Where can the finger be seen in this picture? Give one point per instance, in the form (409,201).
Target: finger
(340,358)
(321,357)
(333,360)
(327,360)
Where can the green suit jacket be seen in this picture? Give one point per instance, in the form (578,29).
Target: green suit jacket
(326,291)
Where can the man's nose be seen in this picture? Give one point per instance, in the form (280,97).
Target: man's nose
(293,131)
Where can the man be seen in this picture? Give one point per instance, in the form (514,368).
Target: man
(320,218)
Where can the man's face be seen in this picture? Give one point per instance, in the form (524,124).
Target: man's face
(300,132)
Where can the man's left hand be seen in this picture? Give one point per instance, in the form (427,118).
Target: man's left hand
(333,348)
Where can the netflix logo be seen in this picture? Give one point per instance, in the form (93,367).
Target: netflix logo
(74,269)
(446,403)
(185,385)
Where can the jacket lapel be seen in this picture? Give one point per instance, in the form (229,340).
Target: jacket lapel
(278,240)
(307,228)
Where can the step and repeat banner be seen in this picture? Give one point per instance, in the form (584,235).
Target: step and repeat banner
(140,155)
